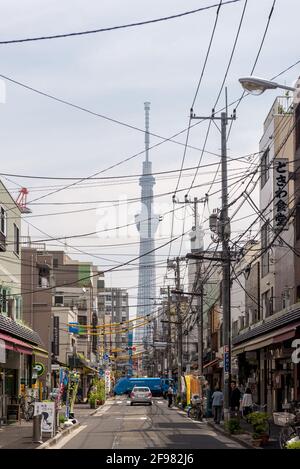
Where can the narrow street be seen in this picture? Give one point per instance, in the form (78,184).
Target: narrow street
(121,426)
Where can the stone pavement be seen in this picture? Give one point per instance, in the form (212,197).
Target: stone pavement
(19,436)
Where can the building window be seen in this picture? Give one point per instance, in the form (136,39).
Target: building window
(16,239)
(44,276)
(264,167)
(82,320)
(264,244)
(58,300)
(267,301)
(108,298)
(2,229)
(18,307)
(55,263)
(3,221)
(3,301)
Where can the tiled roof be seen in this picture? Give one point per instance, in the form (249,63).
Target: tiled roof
(15,329)
(273,323)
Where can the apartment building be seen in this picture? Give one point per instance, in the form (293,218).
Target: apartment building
(117,312)
(263,346)
(20,345)
(63,291)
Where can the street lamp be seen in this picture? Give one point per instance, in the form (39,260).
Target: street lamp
(257,85)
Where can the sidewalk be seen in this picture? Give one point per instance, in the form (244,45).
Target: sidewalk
(246,437)
(19,436)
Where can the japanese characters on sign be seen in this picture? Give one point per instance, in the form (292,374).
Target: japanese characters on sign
(47,409)
(281,194)
(107,381)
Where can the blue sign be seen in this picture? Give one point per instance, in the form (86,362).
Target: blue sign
(226,361)
(105,356)
(74,327)
(101,373)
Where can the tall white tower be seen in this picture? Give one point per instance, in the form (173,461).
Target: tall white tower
(146,223)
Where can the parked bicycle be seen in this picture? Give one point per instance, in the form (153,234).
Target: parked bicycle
(196,411)
(290,423)
(27,407)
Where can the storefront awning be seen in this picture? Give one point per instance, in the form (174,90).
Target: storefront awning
(268,339)
(213,362)
(11,343)
(40,352)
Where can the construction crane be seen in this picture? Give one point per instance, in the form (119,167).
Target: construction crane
(22,200)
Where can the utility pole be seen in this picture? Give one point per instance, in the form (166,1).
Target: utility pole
(179,324)
(200,327)
(199,300)
(169,349)
(198,285)
(224,234)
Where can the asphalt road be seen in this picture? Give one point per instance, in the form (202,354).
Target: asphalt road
(120,426)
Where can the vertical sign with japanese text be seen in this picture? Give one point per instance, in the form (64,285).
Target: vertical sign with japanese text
(281,194)
(55,342)
(107,381)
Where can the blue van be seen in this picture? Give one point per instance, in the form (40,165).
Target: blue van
(158,386)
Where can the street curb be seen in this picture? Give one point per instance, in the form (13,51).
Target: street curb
(232,437)
(58,437)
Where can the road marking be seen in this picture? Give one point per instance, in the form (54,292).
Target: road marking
(67,438)
(131,418)
(120,402)
(160,402)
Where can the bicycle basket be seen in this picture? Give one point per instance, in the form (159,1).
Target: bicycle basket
(283,418)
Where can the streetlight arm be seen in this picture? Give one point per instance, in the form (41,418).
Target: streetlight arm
(256,85)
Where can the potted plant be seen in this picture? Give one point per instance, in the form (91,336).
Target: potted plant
(233,426)
(259,421)
(293,445)
(93,400)
(61,420)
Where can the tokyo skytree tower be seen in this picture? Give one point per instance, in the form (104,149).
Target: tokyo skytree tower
(146,223)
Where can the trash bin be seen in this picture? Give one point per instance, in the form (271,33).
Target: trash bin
(37,429)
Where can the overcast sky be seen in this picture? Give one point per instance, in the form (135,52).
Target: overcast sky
(113,73)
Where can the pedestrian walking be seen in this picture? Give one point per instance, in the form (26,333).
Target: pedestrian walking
(170,394)
(247,402)
(217,403)
(234,398)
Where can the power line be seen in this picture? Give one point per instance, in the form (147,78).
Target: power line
(113,28)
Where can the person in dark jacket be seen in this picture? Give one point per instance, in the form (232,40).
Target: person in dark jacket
(234,397)
(170,395)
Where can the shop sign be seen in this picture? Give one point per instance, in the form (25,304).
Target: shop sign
(226,361)
(281,195)
(47,410)
(107,381)
(39,368)
(2,351)
(55,335)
